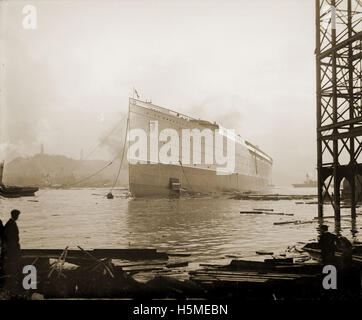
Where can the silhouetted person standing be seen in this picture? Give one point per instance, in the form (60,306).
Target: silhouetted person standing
(328,245)
(1,233)
(11,245)
(1,246)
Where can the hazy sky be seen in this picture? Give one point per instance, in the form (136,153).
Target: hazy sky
(249,65)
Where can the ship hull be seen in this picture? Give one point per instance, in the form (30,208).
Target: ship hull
(154,180)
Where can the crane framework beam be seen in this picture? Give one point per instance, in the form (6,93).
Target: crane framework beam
(339,96)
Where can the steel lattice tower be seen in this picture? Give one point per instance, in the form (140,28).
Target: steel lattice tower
(339,112)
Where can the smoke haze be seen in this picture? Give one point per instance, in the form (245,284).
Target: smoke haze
(67,83)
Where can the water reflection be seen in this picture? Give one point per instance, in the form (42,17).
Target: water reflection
(354,230)
(207,228)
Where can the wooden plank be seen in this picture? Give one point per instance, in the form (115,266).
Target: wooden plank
(243,265)
(246,264)
(213,279)
(279,261)
(284,222)
(251,212)
(297,222)
(254,278)
(133,254)
(253,274)
(279,214)
(329,217)
(127,254)
(267,213)
(177,265)
(179,254)
(202,279)
(141,264)
(264,252)
(133,271)
(50,253)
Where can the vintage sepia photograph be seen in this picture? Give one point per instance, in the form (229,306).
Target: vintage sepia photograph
(181,150)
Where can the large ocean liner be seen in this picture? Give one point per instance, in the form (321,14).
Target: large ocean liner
(251,172)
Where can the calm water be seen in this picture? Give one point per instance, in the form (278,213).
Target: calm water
(208,228)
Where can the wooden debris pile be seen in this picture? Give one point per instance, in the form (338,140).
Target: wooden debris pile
(270,279)
(94,274)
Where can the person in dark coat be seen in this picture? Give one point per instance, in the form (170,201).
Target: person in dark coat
(1,235)
(11,245)
(328,244)
(1,246)
(1,229)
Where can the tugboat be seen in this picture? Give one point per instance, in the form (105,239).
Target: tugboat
(14,191)
(308,183)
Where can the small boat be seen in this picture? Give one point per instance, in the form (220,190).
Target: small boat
(14,191)
(308,183)
(315,252)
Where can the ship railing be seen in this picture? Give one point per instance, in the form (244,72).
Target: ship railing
(223,131)
(232,136)
(151,106)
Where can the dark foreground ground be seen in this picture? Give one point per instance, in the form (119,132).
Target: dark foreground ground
(78,274)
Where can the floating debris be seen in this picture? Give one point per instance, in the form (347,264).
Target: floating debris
(251,212)
(264,252)
(272,197)
(267,212)
(330,217)
(293,222)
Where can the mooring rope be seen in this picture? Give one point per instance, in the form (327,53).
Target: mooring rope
(105,138)
(81,180)
(123,150)
(186,176)
(98,171)
(90,176)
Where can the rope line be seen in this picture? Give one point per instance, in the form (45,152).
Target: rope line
(103,139)
(123,150)
(86,178)
(186,176)
(100,170)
